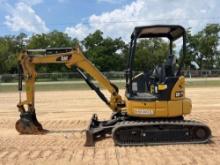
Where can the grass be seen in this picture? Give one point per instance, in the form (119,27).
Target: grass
(204,83)
(83,86)
(54,87)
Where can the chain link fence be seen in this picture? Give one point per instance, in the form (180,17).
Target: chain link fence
(44,77)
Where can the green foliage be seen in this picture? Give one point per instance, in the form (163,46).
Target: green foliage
(53,39)
(149,53)
(105,53)
(203,47)
(9,47)
(110,54)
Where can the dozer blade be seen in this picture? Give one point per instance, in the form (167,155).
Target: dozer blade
(89,139)
(28,124)
(89,132)
(97,130)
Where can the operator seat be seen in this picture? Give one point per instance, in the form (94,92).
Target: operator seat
(163,73)
(165,70)
(170,66)
(169,77)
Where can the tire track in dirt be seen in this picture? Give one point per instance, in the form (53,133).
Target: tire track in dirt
(105,153)
(64,144)
(51,124)
(68,146)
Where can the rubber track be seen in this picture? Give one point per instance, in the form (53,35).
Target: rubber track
(137,124)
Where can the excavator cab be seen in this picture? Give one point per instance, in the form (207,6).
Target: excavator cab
(155,102)
(155,84)
(163,87)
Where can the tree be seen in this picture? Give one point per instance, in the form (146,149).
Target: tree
(149,53)
(203,46)
(105,53)
(9,48)
(53,39)
(110,54)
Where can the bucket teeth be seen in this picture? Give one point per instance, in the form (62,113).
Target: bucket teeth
(28,124)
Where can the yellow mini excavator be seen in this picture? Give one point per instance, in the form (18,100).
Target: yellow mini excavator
(154,106)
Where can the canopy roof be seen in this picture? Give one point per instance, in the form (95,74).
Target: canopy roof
(172,32)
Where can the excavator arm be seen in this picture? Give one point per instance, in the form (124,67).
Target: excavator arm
(28,123)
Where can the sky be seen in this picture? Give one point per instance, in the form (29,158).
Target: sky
(116,18)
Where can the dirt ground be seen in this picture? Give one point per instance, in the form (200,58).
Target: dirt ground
(65,114)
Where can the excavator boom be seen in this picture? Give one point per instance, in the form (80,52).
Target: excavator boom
(28,123)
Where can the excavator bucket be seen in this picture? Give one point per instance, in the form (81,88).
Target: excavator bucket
(28,124)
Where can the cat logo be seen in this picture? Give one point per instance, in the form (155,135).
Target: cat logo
(63,58)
